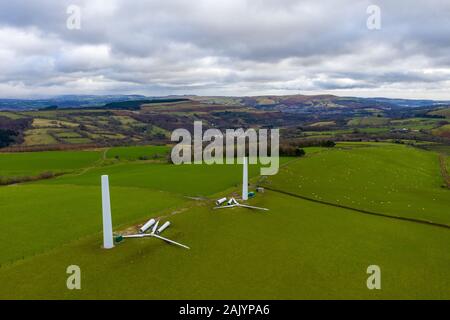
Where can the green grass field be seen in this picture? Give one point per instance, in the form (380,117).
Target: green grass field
(299,249)
(10,115)
(33,163)
(442,112)
(36,218)
(134,153)
(37,137)
(75,196)
(391,179)
(368,121)
(193,180)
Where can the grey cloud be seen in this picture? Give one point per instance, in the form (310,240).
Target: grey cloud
(221,47)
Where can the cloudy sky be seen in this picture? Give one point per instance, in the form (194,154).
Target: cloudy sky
(225,47)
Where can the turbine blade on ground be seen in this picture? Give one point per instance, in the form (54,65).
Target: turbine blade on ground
(170,241)
(252,207)
(155,227)
(135,235)
(228,206)
(145,235)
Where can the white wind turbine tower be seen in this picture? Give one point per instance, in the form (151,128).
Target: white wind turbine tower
(107,221)
(245,180)
(232,203)
(108,242)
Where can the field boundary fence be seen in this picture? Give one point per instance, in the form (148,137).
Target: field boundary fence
(426,222)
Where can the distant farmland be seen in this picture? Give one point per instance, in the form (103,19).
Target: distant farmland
(151,121)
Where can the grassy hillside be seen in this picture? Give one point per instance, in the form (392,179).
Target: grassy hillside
(36,218)
(297,250)
(393,179)
(47,213)
(152,121)
(447,161)
(368,121)
(138,152)
(443,131)
(33,163)
(445,112)
(192,180)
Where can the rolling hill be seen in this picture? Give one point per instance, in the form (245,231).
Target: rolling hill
(300,249)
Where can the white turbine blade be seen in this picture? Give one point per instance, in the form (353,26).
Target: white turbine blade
(155,227)
(221,201)
(163,227)
(252,207)
(145,235)
(135,235)
(227,206)
(170,241)
(147,225)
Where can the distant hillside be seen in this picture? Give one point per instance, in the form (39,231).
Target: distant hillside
(287,103)
(66,101)
(301,103)
(151,120)
(136,104)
